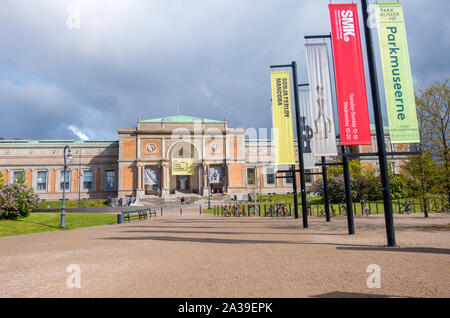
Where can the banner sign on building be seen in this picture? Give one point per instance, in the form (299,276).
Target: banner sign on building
(350,79)
(182,166)
(151,176)
(282,118)
(320,114)
(215,175)
(309,160)
(398,83)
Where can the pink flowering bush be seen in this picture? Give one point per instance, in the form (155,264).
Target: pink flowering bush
(17,201)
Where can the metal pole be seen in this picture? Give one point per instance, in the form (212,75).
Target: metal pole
(63,208)
(294,185)
(348,193)
(209,197)
(79,180)
(300,146)
(384,172)
(325,190)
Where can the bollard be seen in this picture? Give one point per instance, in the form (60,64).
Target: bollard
(181,210)
(200,206)
(376,205)
(119,218)
(161,210)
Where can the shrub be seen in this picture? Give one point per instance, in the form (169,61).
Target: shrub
(398,186)
(16,201)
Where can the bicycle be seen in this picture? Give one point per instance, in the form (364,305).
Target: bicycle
(229,210)
(405,208)
(342,206)
(271,210)
(282,210)
(252,210)
(318,211)
(442,208)
(239,210)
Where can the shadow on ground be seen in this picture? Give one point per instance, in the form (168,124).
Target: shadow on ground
(427,250)
(339,294)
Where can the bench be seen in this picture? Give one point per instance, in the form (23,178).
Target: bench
(142,214)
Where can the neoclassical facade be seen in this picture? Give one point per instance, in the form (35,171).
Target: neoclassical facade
(164,157)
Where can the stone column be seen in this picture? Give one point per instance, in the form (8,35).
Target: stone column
(140,192)
(206,185)
(201,185)
(165,180)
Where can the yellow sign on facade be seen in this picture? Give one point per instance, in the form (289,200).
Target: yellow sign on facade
(182,166)
(282,118)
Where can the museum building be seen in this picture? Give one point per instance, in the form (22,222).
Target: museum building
(163,157)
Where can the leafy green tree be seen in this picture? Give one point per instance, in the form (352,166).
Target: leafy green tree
(355,169)
(421,180)
(434,118)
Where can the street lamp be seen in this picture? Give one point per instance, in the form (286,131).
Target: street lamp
(68,158)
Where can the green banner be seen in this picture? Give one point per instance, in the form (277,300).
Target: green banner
(400,100)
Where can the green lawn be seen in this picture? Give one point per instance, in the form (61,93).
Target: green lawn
(73,204)
(46,222)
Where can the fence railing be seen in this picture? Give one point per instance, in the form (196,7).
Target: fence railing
(318,209)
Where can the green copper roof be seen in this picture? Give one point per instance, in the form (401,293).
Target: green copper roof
(182,119)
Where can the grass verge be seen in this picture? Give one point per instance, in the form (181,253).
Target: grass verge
(47,222)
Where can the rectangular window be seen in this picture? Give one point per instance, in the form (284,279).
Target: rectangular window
(42,180)
(67,184)
(110,179)
(87,184)
(18,176)
(289,180)
(251,176)
(270,176)
(308,178)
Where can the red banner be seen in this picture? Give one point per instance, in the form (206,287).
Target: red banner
(350,80)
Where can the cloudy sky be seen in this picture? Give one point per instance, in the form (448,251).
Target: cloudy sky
(61,77)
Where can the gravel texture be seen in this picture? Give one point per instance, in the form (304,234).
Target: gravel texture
(206,256)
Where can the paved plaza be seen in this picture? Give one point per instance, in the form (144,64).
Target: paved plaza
(207,256)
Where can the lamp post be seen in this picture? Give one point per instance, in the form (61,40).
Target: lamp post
(67,160)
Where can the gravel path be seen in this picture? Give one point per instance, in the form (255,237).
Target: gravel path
(207,256)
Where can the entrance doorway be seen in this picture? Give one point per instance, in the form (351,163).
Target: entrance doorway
(183,183)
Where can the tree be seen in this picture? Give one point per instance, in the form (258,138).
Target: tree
(355,168)
(433,115)
(422,177)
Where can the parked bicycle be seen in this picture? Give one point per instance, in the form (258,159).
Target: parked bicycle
(406,207)
(235,210)
(315,210)
(252,210)
(439,208)
(282,210)
(279,209)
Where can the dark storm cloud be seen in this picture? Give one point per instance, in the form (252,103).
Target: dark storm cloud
(133,59)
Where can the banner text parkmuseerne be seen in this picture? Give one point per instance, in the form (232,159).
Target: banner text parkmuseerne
(400,100)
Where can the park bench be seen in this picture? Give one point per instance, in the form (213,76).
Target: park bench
(151,212)
(142,214)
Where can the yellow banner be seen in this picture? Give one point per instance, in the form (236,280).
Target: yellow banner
(282,118)
(182,166)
